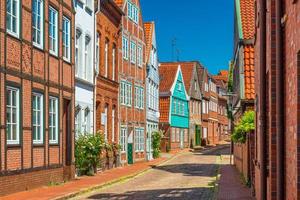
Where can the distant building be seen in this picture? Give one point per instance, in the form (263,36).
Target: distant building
(204,85)
(213,137)
(152,85)
(132,78)
(84,66)
(174,107)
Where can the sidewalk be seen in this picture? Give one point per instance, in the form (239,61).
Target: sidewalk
(86,183)
(230,185)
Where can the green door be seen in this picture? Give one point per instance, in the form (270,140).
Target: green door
(129,153)
(198,135)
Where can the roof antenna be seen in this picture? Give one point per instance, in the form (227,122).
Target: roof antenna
(177,54)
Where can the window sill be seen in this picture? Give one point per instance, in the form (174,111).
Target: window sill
(67,60)
(38,46)
(14,35)
(53,144)
(38,145)
(54,54)
(11,145)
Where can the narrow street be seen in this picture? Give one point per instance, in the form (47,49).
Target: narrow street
(187,176)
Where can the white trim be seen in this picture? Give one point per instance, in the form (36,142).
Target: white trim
(17,33)
(41,116)
(17,90)
(55,99)
(55,23)
(41,24)
(68,59)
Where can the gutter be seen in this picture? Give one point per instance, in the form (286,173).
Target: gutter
(279,103)
(262,99)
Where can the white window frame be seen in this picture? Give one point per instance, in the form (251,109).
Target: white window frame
(54,26)
(125,47)
(66,36)
(105,122)
(113,62)
(87,56)
(126,93)
(123,139)
(132,52)
(139,139)
(78,51)
(53,115)
(38,27)
(97,52)
(9,106)
(106,58)
(14,17)
(35,125)
(140,56)
(78,124)
(113,112)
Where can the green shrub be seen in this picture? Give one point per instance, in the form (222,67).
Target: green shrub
(246,125)
(156,139)
(87,153)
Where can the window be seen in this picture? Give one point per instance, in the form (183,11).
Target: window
(126,93)
(133,52)
(66,39)
(12,115)
(204,132)
(37,118)
(89,4)
(139,139)
(206,87)
(113,62)
(37,23)
(123,139)
(133,12)
(105,122)
(97,53)
(140,56)
(53,31)
(125,47)
(77,120)
(179,86)
(139,97)
(113,125)
(87,57)
(12,17)
(53,120)
(106,59)
(78,51)
(86,123)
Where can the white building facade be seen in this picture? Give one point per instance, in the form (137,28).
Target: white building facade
(152,85)
(84,66)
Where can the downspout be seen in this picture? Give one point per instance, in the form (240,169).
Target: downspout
(262,104)
(279,104)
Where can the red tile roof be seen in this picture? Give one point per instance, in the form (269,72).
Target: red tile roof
(247,8)
(167,73)
(149,28)
(119,2)
(187,70)
(249,72)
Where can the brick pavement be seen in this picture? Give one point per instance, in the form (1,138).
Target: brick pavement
(230,184)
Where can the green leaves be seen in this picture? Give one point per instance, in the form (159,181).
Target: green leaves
(246,125)
(156,138)
(88,149)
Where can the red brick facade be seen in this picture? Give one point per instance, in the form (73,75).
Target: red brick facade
(30,69)
(130,117)
(290,53)
(107,87)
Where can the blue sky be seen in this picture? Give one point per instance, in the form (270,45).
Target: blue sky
(203,30)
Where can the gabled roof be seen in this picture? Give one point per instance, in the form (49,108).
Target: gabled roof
(149,28)
(245,10)
(167,75)
(222,76)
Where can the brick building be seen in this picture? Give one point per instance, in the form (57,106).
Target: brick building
(37,93)
(203,84)
(212,136)
(107,86)
(277,64)
(132,76)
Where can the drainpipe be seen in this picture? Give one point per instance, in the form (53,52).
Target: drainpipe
(262,102)
(279,104)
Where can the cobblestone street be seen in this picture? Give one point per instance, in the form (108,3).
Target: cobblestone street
(187,176)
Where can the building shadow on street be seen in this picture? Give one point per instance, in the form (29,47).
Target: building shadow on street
(205,193)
